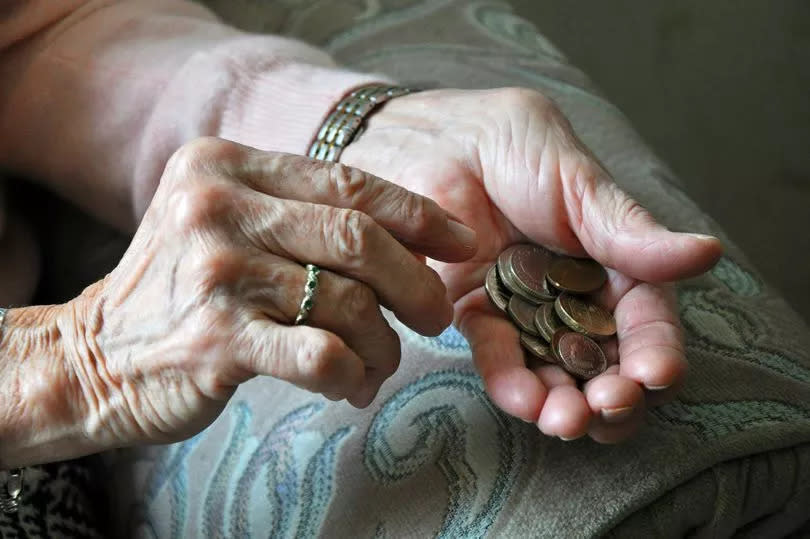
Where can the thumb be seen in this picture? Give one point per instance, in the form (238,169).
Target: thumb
(619,233)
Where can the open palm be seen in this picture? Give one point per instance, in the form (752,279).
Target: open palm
(507,163)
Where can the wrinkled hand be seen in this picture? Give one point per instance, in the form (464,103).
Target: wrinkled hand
(204,298)
(508,164)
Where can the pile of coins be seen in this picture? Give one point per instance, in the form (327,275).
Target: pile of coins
(543,295)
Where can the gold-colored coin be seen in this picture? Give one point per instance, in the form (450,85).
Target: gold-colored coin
(578,355)
(498,294)
(503,259)
(546,321)
(585,317)
(505,275)
(523,270)
(508,281)
(576,275)
(537,347)
(522,314)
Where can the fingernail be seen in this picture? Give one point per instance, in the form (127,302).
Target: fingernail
(464,234)
(656,388)
(703,237)
(616,415)
(564,439)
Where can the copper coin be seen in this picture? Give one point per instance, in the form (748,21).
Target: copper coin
(508,281)
(579,355)
(508,278)
(504,273)
(526,266)
(498,295)
(577,275)
(503,259)
(585,317)
(537,347)
(546,321)
(522,314)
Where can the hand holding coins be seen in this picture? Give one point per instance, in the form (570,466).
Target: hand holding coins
(543,295)
(531,172)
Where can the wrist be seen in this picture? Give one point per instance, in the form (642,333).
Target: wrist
(283,114)
(348,119)
(39,417)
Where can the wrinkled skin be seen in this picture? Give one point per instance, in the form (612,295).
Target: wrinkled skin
(507,163)
(205,297)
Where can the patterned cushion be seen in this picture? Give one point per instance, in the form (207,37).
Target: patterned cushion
(62,499)
(432,455)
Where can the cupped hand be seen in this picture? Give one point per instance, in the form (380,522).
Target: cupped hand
(205,297)
(507,163)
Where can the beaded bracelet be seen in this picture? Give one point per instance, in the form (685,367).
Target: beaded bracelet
(346,121)
(11,484)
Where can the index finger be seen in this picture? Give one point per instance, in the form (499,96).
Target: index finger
(414,220)
(499,358)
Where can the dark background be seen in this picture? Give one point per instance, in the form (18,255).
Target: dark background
(721,90)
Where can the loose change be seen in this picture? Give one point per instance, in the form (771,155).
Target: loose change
(543,294)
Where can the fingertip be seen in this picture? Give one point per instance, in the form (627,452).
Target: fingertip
(450,241)
(658,396)
(360,404)
(691,255)
(708,239)
(661,255)
(435,325)
(656,367)
(710,249)
(613,397)
(565,413)
(500,360)
(517,391)
(605,432)
(363,397)
(432,319)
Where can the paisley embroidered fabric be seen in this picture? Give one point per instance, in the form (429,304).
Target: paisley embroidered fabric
(432,456)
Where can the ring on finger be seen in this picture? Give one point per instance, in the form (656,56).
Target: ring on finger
(310,288)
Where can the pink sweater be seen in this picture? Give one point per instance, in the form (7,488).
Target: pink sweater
(96,95)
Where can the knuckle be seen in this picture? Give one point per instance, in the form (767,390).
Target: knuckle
(200,204)
(521,100)
(347,183)
(204,153)
(352,230)
(216,270)
(632,212)
(524,98)
(316,359)
(360,301)
(420,213)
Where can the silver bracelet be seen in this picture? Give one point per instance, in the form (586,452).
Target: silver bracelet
(12,480)
(346,122)
(10,493)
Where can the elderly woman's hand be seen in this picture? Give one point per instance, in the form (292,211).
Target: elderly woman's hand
(206,295)
(508,163)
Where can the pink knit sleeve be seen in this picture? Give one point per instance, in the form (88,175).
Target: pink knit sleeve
(96,95)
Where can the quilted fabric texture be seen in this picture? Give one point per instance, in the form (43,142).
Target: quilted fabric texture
(432,456)
(59,500)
